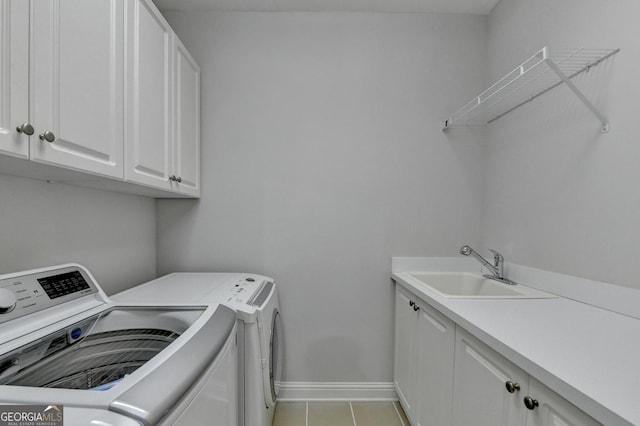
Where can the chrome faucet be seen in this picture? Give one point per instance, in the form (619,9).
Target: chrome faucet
(497,268)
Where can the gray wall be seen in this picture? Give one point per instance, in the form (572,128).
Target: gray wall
(44,224)
(322,157)
(559,195)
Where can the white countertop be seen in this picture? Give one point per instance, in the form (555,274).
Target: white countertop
(589,355)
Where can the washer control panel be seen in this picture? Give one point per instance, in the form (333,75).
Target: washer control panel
(246,290)
(242,290)
(25,294)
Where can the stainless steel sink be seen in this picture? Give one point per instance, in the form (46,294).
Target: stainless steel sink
(475,286)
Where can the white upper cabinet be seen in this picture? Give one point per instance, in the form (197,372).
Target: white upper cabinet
(77,98)
(14,76)
(101,90)
(162,112)
(186,153)
(149,86)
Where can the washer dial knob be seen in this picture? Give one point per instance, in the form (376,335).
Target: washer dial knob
(7,300)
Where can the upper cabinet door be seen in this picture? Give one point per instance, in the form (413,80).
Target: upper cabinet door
(77,97)
(148,85)
(186,156)
(14,76)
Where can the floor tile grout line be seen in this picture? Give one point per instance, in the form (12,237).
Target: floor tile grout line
(398,413)
(353,416)
(396,406)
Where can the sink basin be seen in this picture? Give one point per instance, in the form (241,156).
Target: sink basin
(475,286)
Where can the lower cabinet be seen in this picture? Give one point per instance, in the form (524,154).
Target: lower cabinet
(424,346)
(553,410)
(406,323)
(445,376)
(490,390)
(479,390)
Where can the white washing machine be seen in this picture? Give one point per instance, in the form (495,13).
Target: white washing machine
(63,342)
(255,299)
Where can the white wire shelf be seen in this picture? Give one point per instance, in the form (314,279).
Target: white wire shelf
(536,76)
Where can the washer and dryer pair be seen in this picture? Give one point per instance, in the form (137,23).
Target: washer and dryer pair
(254,298)
(63,342)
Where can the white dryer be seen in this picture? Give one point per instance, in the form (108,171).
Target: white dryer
(63,342)
(255,300)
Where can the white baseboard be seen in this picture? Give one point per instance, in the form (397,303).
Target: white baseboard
(337,391)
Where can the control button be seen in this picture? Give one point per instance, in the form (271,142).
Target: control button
(250,279)
(76,333)
(7,300)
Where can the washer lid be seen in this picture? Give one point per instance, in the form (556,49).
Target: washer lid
(154,388)
(161,388)
(98,351)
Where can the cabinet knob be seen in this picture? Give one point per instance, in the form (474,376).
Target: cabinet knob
(512,387)
(178,179)
(416,307)
(25,128)
(48,136)
(530,403)
(411,303)
(173,178)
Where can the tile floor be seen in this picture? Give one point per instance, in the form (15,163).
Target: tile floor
(339,414)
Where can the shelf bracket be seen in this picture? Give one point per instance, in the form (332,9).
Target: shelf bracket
(580,95)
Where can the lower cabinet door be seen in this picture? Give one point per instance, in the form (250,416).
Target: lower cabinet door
(403,369)
(435,357)
(551,409)
(480,395)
